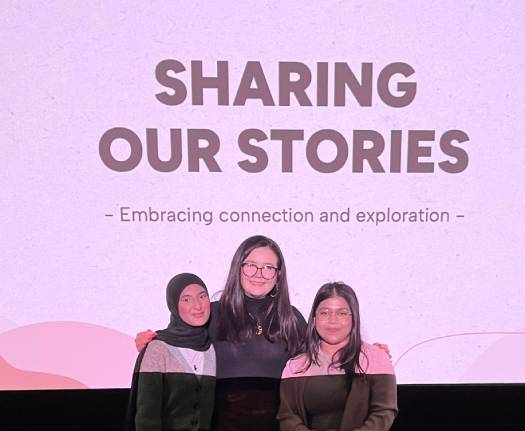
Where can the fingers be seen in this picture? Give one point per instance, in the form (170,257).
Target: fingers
(385,348)
(143,338)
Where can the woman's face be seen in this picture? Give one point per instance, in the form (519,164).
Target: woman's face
(259,272)
(333,321)
(194,305)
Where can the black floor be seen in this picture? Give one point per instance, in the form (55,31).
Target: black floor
(422,408)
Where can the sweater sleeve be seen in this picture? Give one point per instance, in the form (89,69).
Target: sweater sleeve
(382,407)
(382,404)
(150,388)
(291,414)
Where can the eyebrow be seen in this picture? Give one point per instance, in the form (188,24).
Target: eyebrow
(336,308)
(265,263)
(198,294)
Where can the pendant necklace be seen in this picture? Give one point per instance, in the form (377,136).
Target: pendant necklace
(258,326)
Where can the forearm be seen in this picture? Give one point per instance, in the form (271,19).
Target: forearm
(149,402)
(289,414)
(383,403)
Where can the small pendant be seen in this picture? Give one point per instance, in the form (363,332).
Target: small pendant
(259,329)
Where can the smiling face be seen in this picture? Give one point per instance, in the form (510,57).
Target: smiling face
(194,305)
(333,322)
(262,262)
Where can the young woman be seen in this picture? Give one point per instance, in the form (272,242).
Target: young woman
(254,330)
(340,382)
(174,378)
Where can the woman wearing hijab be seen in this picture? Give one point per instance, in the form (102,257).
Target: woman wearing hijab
(255,331)
(174,378)
(340,382)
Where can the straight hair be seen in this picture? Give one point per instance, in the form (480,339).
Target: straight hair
(280,321)
(347,357)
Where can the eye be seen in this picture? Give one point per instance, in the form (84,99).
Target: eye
(323,312)
(203,295)
(185,299)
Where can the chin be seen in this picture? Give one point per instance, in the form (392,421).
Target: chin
(198,323)
(201,321)
(333,339)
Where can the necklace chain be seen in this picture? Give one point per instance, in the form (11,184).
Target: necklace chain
(258,326)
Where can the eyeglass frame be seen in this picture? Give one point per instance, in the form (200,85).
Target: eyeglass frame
(259,268)
(337,313)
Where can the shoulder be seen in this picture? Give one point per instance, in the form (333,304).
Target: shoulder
(154,356)
(156,347)
(375,360)
(295,367)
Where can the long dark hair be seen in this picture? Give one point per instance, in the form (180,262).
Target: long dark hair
(280,322)
(347,357)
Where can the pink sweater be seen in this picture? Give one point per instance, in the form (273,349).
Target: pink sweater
(371,404)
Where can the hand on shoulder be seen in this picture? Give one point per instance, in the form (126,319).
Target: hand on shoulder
(143,338)
(377,360)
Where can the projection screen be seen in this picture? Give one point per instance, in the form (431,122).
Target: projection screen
(379,144)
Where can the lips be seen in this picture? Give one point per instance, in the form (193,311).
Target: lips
(332,330)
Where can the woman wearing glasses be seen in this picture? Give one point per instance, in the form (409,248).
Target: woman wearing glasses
(340,382)
(254,330)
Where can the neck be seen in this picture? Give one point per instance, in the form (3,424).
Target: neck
(254,305)
(331,349)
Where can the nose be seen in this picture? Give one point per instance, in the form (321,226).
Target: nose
(198,304)
(258,273)
(332,317)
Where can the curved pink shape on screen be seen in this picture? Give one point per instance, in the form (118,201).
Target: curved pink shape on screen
(97,356)
(6,324)
(501,362)
(468,357)
(15,379)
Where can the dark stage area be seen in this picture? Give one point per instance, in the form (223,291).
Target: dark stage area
(422,408)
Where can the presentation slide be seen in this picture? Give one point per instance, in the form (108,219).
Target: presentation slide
(378,143)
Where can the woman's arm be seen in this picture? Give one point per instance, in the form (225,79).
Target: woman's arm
(142,339)
(382,398)
(292,413)
(383,403)
(289,415)
(150,389)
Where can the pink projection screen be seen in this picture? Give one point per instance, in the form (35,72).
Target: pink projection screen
(378,143)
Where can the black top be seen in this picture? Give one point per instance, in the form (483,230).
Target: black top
(248,378)
(325,400)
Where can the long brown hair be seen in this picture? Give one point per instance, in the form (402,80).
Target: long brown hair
(280,322)
(347,357)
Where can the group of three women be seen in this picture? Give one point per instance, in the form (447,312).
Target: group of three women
(256,364)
